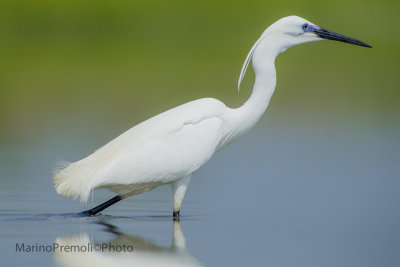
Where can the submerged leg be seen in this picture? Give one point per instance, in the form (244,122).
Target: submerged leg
(179,189)
(100,207)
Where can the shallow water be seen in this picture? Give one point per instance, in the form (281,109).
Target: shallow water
(287,197)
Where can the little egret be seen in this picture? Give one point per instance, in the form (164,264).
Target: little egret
(170,147)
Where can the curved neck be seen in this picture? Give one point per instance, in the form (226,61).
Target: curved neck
(243,118)
(264,85)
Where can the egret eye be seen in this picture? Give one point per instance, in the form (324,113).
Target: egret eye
(305,26)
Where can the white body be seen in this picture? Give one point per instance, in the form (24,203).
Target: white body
(171,146)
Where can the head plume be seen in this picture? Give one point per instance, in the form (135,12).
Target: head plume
(248,59)
(291,23)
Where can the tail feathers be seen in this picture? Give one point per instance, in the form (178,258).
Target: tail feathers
(71,180)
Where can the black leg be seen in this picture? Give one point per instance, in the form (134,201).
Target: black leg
(100,207)
(175,215)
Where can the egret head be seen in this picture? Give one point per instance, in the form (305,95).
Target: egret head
(288,32)
(294,30)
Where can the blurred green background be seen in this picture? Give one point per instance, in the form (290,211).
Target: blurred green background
(104,66)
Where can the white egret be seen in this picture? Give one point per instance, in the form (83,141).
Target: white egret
(170,147)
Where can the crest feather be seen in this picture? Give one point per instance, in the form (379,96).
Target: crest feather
(248,59)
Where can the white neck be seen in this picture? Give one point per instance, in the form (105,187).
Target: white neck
(265,80)
(274,40)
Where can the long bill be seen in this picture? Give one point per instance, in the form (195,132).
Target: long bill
(325,34)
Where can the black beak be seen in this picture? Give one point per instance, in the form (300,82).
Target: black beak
(325,34)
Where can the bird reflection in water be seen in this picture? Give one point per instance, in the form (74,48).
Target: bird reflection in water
(133,250)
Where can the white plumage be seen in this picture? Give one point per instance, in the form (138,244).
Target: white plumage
(154,152)
(171,146)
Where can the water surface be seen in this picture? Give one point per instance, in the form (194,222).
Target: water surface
(281,196)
